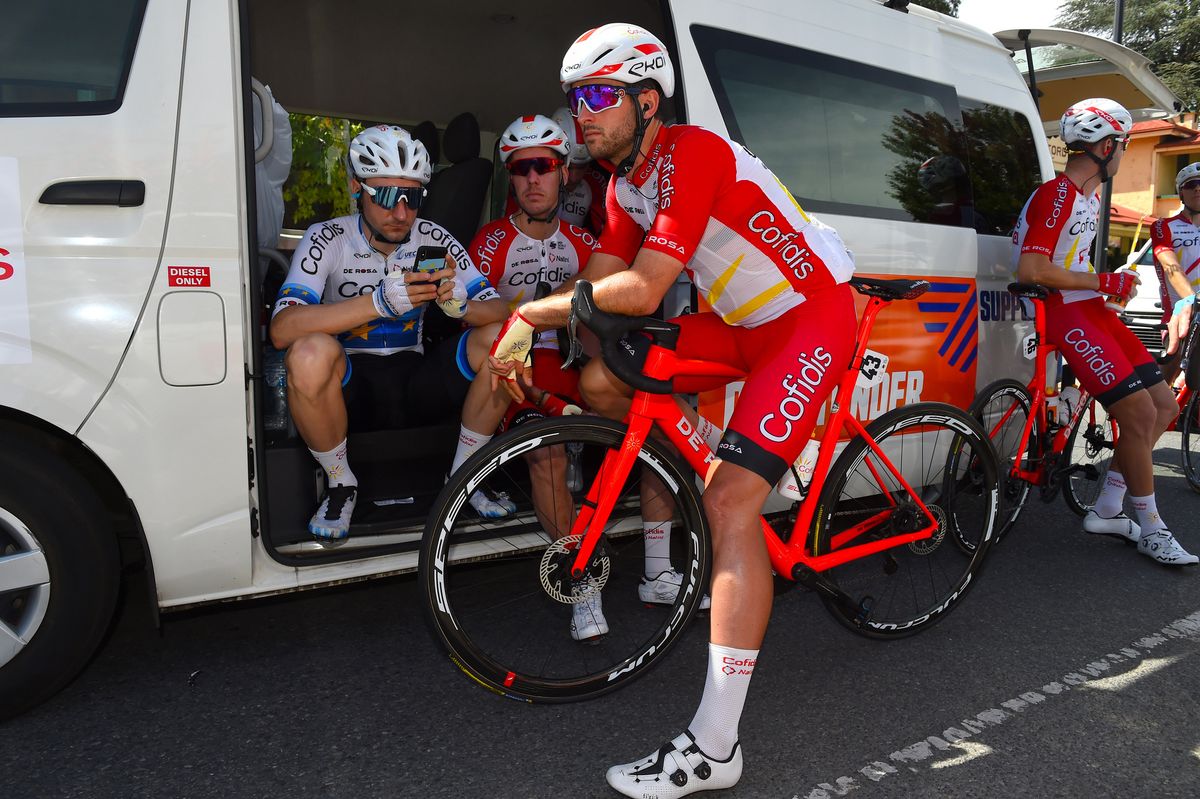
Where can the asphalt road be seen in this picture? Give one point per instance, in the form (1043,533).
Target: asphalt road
(1073,669)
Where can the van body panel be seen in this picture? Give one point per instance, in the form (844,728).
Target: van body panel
(88,267)
(188,473)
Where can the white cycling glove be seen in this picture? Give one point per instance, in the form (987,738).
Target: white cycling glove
(391,297)
(456,306)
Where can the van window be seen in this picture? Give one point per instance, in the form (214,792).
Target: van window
(72,57)
(1003,164)
(845,137)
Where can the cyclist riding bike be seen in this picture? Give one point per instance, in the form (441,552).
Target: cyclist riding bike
(530,250)
(1053,237)
(685,198)
(350,316)
(1176,245)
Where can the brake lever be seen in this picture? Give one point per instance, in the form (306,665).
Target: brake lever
(574,346)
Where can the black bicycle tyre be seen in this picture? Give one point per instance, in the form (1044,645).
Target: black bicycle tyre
(1014,492)
(983,463)
(1189,429)
(505,679)
(1073,483)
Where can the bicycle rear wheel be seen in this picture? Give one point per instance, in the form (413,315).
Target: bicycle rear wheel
(1089,451)
(950,466)
(498,592)
(1002,410)
(1189,443)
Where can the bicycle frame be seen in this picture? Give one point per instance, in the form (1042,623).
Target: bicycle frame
(787,558)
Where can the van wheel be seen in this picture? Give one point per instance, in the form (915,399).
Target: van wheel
(59,573)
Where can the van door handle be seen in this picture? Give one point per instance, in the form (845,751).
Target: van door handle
(123,193)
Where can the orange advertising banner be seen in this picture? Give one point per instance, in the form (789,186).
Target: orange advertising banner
(920,350)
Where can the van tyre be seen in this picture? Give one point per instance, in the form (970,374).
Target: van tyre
(59,573)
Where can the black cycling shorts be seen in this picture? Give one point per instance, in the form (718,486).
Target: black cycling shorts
(407,389)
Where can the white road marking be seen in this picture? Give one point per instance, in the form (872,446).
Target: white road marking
(1094,675)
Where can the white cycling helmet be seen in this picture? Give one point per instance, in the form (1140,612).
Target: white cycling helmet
(622,52)
(1189,172)
(1089,121)
(388,151)
(579,151)
(533,131)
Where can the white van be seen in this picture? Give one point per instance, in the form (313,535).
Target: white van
(131,305)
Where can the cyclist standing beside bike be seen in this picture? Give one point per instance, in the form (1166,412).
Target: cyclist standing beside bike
(684,198)
(1053,237)
(1176,244)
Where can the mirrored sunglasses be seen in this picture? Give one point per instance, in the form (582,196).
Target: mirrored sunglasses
(1123,141)
(386,197)
(596,98)
(1191,185)
(543,166)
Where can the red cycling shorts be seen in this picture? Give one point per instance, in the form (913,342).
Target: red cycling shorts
(548,375)
(792,364)
(1105,356)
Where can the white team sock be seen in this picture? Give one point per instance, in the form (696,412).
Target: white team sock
(715,725)
(709,432)
(336,466)
(657,536)
(469,442)
(1112,495)
(1147,513)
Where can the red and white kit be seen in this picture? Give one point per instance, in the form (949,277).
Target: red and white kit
(1180,236)
(1106,357)
(756,257)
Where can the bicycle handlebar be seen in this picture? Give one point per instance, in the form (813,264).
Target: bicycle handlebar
(611,329)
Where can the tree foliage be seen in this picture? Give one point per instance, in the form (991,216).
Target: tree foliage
(316,188)
(1165,31)
(944,6)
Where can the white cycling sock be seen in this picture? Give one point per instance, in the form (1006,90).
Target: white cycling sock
(469,442)
(1147,513)
(336,466)
(657,536)
(709,432)
(715,725)
(1112,495)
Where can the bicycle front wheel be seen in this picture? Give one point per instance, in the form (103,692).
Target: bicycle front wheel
(1189,441)
(1002,410)
(1088,453)
(499,593)
(950,467)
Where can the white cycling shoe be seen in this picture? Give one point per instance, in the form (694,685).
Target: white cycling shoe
(663,589)
(1161,546)
(677,769)
(492,507)
(331,522)
(587,618)
(1119,526)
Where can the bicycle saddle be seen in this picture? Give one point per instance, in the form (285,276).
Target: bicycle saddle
(1030,290)
(889,289)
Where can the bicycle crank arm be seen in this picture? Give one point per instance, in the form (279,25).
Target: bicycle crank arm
(1088,470)
(814,581)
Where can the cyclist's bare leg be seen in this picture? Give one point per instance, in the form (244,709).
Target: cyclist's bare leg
(483,409)
(551,500)
(1141,418)
(316,365)
(742,589)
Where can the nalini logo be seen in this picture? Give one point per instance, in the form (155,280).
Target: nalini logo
(737,665)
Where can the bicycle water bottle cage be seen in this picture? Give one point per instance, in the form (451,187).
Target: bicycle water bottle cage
(889,289)
(611,329)
(1030,290)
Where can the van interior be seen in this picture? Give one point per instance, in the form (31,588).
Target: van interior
(455,75)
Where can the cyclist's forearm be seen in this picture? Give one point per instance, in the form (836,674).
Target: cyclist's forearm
(332,318)
(1175,276)
(1037,268)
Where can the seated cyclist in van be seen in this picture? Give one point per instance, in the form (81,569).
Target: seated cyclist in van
(350,317)
(527,254)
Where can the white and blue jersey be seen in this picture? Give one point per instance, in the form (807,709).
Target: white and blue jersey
(336,262)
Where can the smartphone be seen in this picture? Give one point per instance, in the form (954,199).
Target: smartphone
(430,259)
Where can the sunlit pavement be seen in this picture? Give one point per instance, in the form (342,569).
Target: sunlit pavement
(1071,670)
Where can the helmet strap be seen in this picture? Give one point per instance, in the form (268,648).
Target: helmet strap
(552,213)
(1103,162)
(639,131)
(375,234)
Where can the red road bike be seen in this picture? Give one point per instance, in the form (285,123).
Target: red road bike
(891,534)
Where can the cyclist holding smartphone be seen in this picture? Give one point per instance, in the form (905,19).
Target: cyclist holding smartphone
(1052,239)
(682,197)
(350,316)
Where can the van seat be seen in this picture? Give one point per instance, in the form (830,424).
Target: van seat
(456,193)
